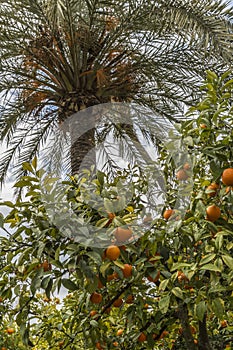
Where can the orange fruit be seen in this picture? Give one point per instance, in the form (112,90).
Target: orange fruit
(186,166)
(1,299)
(115,343)
(168,213)
(142,337)
(120,332)
(127,270)
(203,126)
(61,343)
(195,341)
(113,252)
(146,306)
(129,299)
(213,213)
(122,234)
(163,334)
(227,177)
(96,298)
(100,284)
(151,279)
(111,216)
(3,348)
(223,323)
(113,276)
(182,277)
(193,329)
(93,313)
(182,175)
(98,346)
(118,302)
(10,330)
(213,188)
(46,266)
(228,189)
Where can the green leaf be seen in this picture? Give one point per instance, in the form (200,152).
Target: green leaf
(1,220)
(34,163)
(95,257)
(163,284)
(104,267)
(218,307)
(35,284)
(200,310)
(119,264)
(177,292)
(179,266)
(164,303)
(210,267)
(68,284)
(45,282)
(207,258)
(94,323)
(27,166)
(228,260)
(22,183)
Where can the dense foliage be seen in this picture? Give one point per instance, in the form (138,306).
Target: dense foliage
(169,288)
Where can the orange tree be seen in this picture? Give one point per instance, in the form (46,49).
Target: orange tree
(165,282)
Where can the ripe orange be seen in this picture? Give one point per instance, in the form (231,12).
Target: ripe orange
(186,166)
(111,216)
(182,175)
(118,302)
(155,279)
(98,346)
(46,266)
(122,234)
(168,213)
(203,126)
(61,343)
(1,299)
(227,177)
(96,298)
(93,313)
(113,252)
(3,348)
(115,343)
(182,277)
(10,330)
(193,329)
(100,284)
(127,270)
(163,334)
(113,276)
(213,213)
(120,332)
(146,306)
(129,299)
(195,341)
(223,323)
(142,337)
(213,188)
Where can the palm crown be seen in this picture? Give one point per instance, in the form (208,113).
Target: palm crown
(59,57)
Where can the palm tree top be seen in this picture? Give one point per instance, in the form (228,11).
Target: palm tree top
(61,56)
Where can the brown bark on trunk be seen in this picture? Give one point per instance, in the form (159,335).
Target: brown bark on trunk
(183,316)
(82,132)
(203,339)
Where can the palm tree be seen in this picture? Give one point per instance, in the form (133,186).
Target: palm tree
(59,57)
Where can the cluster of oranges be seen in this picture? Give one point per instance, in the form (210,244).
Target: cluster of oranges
(213,212)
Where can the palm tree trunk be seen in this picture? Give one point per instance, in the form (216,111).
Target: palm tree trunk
(83,153)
